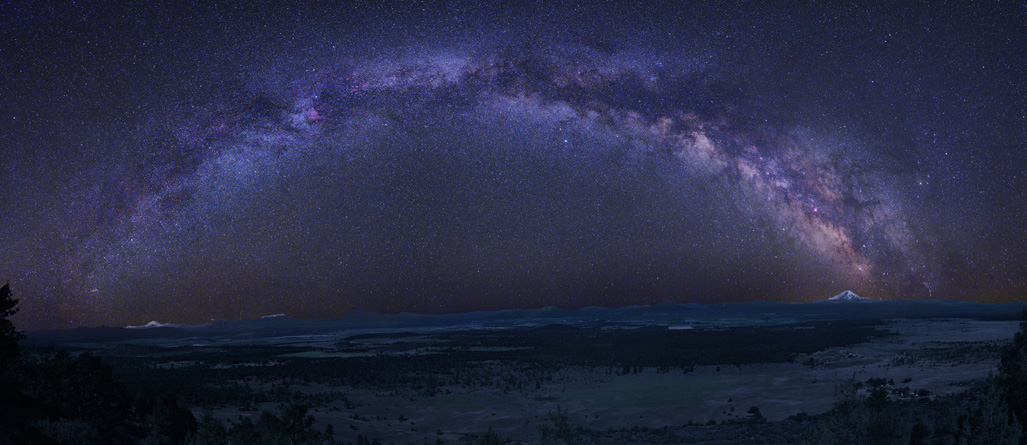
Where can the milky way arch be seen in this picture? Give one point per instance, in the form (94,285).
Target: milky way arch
(510,179)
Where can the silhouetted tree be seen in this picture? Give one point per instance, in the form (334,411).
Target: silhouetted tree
(298,425)
(921,433)
(991,423)
(1013,369)
(16,409)
(9,336)
(560,430)
(209,431)
(168,421)
(489,438)
(76,387)
(857,419)
(295,427)
(756,415)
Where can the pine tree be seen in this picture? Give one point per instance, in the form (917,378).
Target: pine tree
(1013,372)
(14,414)
(990,423)
(9,336)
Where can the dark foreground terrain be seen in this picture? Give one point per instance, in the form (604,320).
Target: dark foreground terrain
(882,372)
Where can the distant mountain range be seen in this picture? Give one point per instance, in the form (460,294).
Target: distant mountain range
(669,314)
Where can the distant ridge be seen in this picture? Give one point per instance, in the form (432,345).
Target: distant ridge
(849,296)
(668,314)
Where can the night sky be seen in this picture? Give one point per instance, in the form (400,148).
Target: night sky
(197,162)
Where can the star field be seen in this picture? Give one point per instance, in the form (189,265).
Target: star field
(202,162)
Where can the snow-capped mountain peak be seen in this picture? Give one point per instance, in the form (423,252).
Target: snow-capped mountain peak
(152,324)
(848,296)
